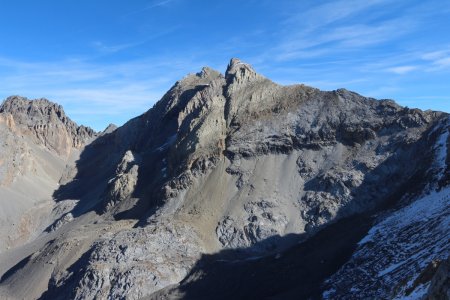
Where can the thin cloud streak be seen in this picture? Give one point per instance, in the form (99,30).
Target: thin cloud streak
(401,70)
(155,4)
(108,49)
(325,41)
(325,14)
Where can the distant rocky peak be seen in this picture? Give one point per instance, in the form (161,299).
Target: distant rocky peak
(47,122)
(110,128)
(235,64)
(240,72)
(31,111)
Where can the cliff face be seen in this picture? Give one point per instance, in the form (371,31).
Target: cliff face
(235,165)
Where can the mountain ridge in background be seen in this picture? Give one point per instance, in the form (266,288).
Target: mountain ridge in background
(231,186)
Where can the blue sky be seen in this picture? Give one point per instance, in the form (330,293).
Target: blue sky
(106,61)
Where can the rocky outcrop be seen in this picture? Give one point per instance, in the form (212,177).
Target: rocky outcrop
(121,187)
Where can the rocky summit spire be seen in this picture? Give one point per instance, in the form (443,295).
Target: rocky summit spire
(240,72)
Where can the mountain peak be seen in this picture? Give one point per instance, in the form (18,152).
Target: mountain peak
(239,71)
(38,110)
(46,121)
(236,64)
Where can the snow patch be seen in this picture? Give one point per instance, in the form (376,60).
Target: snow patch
(401,247)
(422,209)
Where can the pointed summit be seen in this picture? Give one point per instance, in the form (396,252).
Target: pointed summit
(238,71)
(110,128)
(234,62)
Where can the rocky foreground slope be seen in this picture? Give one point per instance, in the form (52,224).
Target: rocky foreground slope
(233,186)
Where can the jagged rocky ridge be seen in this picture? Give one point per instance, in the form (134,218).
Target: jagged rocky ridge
(37,141)
(47,122)
(236,165)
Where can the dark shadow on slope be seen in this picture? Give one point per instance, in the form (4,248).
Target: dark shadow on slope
(98,163)
(77,270)
(296,273)
(95,166)
(15,268)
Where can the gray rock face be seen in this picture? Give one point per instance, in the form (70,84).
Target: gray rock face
(47,122)
(226,163)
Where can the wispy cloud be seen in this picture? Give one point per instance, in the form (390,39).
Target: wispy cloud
(402,69)
(435,55)
(321,30)
(383,91)
(158,3)
(325,14)
(439,60)
(443,62)
(102,47)
(336,28)
(154,4)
